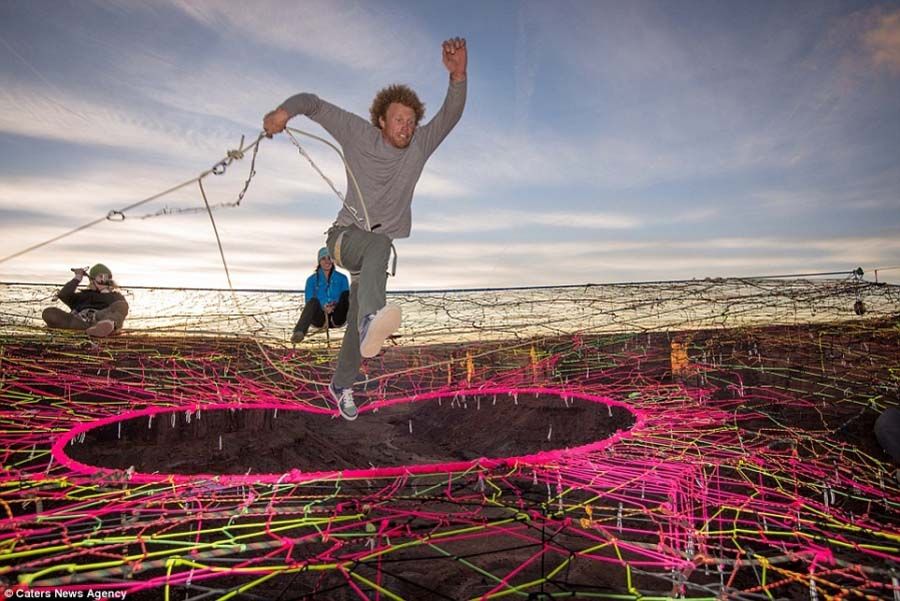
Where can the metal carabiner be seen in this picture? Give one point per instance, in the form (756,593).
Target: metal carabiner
(219,168)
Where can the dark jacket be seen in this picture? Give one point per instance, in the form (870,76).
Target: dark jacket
(88,298)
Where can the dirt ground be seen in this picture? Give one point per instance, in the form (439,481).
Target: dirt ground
(421,432)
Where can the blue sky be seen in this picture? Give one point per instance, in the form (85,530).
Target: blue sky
(602,141)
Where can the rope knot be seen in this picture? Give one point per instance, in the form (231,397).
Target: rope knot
(235,155)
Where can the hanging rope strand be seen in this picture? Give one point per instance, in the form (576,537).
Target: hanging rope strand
(217,169)
(218,239)
(290,131)
(119,214)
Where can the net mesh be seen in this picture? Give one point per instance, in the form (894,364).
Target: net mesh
(703,439)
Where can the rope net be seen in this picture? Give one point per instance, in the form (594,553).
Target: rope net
(701,440)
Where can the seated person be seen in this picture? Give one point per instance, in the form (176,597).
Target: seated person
(99,310)
(327,293)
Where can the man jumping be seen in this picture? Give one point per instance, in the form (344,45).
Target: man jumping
(386,156)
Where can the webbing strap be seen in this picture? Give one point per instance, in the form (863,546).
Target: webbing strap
(337,256)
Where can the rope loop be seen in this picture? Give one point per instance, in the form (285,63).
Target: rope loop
(364,220)
(115,215)
(235,154)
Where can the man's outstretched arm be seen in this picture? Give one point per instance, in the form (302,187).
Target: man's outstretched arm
(344,126)
(455,58)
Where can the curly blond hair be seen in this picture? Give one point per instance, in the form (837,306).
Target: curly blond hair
(397,92)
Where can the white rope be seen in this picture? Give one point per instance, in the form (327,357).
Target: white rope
(365,221)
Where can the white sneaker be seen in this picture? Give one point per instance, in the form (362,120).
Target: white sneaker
(101,329)
(376,328)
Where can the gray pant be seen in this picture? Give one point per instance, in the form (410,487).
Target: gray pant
(55,317)
(366,254)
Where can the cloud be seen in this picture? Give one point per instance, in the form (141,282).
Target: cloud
(348,34)
(489,263)
(642,101)
(440,185)
(591,131)
(501,219)
(695,215)
(33,112)
(175,250)
(260,255)
(11,212)
(498,265)
(97,189)
(883,42)
(41,208)
(485,157)
(867,45)
(619,157)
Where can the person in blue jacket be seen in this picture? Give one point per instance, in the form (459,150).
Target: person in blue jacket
(327,294)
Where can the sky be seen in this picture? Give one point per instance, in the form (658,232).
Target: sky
(601,141)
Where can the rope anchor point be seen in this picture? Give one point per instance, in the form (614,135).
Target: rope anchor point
(230,156)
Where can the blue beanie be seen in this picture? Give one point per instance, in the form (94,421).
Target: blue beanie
(323,252)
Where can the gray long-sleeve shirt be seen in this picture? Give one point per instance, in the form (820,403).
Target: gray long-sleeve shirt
(386,175)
